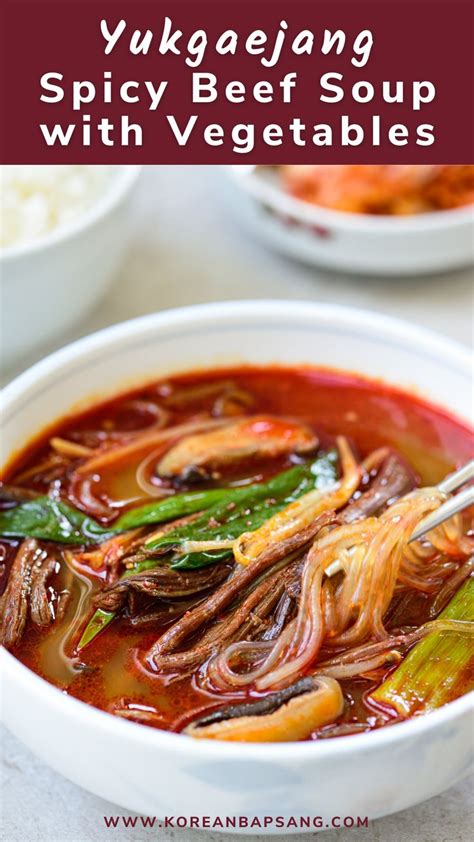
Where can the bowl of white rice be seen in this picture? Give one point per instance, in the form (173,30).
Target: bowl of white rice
(62,237)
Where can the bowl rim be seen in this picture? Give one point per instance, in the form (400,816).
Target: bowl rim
(120,184)
(151,738)
(247,178)
(86,715)
(435,344)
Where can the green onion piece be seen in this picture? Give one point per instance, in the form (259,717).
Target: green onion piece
(321,471)
(52,520)
(193,561)
(436,670)
(55,520)
(100,618)
(247,508)
(171,508)
(98,622)
(253,504)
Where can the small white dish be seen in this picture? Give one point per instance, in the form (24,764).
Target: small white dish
(161,774)
(49,283)
(350,242)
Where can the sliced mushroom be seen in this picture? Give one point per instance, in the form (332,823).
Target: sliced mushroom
(285,716)
(261,436)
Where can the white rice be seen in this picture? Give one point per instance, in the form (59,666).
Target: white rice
(36,200)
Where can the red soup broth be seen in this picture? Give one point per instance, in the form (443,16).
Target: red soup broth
(112,671)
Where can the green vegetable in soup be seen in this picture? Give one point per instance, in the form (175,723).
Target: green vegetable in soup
(247,508)
(432,674)
(98,622)
(54,520)
(237,510)
(172,508)
(101,619)
(51,520)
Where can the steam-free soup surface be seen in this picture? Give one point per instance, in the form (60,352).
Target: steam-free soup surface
(113,672)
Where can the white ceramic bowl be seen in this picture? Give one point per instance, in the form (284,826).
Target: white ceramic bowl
(49,283)
(350,242)
(157,773)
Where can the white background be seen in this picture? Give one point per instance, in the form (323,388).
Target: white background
(187,248)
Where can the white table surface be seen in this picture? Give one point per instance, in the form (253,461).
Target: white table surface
(186,248)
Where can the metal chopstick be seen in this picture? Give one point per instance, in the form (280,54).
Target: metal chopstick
(455,504)
(453,481)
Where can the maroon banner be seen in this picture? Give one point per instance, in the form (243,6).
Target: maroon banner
(374,81)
